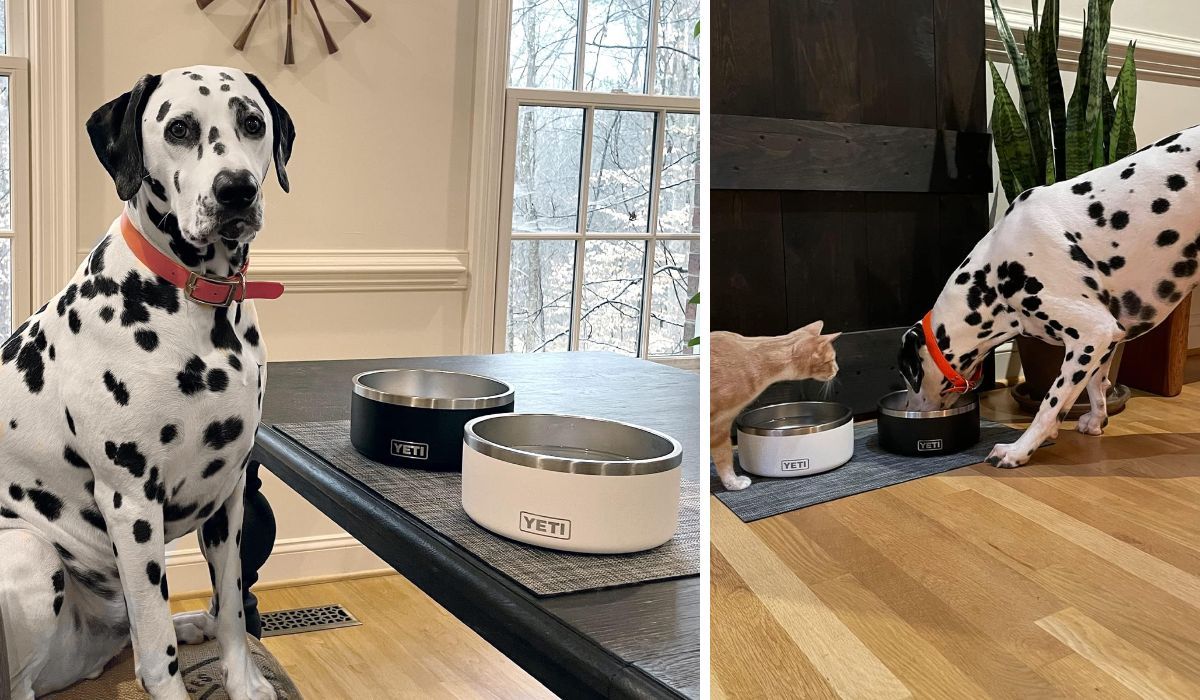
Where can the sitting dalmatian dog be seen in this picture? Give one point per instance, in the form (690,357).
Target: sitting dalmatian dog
(131,399)
(1085,263)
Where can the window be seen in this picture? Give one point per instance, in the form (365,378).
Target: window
(600,213)
(14,215)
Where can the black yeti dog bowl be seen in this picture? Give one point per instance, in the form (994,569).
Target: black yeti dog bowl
(927,433)
(415,417)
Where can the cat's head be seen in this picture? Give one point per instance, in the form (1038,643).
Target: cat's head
(921,375)
(816,352)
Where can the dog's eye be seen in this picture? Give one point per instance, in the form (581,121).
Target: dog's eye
(253,125)
(178,129)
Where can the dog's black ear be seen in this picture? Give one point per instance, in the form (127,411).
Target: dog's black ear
(909,360)
(283,131)
(116,133)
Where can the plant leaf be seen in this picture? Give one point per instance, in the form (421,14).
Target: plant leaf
(1020,64)
(695,299)
(1123,141)
(1011,140)
(1038,120)
(1054,87)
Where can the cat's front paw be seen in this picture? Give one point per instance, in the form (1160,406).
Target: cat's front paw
(735,483)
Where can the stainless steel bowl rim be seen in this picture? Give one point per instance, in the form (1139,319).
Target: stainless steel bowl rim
(503,398)
(966,404)
(592,467)
(745,424)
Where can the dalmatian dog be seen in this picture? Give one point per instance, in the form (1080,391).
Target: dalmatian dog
(1085,263)
(129,409)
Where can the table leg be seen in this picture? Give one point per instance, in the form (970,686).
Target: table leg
(258,539)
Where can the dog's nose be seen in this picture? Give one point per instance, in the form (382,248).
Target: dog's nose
(235,189)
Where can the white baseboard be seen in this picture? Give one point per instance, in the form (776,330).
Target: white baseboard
(297,558)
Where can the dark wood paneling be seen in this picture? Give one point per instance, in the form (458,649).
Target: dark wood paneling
(748,283)
(741,57)
(961,70)
(764,153)
(825,249)
(896,56)
(815,48)
(866,371)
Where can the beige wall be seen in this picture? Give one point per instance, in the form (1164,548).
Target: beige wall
(1163,107)
(381,165)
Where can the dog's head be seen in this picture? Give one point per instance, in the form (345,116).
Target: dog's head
(921,374)
(200,140)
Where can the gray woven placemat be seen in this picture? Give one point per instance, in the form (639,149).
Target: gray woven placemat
(436,498)
(871,468)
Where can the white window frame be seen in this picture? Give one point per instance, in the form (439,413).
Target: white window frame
(15,66)
(661,105)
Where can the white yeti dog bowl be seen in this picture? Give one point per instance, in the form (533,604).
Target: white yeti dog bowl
(795,439)
(571,483)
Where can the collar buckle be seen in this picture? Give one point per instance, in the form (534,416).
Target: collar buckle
(235,289)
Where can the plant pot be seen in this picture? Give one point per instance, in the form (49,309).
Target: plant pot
(1041,364)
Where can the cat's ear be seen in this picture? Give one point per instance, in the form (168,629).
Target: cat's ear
(831,337)
(814,327)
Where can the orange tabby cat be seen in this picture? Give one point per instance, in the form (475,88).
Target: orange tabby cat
(741,368)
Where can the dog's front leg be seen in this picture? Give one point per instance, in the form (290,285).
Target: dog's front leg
(1094,421)
(1082,363)
(135,525)
(220,540)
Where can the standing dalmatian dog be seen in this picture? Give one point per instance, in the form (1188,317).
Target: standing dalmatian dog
(1085,263)
(129,408)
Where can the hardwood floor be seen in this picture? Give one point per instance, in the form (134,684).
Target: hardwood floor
(1077,575)
(407,646)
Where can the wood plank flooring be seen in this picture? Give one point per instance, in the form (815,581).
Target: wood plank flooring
(407,646)
(1077,575)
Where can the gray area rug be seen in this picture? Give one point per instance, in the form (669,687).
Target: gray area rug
(871,468)
(436,498)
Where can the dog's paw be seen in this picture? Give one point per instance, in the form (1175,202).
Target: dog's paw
(1092,423)
(194,627)
(243,680)
(1006,457)
(736,483)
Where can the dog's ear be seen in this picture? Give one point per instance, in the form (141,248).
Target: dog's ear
(909,361)
(116,133)
(283,131)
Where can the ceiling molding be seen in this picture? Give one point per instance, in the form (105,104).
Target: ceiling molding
(1161,57)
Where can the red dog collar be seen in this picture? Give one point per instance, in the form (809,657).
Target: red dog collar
(211,291)
(958,383)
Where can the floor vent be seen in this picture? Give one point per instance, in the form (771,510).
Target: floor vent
(324,617)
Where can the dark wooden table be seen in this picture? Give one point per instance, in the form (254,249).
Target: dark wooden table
(634,641)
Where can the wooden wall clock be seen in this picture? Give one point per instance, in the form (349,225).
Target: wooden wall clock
(293,8)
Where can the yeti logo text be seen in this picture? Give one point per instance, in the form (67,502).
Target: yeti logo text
(793,465)
(411,450)
(928,445)
(535,524)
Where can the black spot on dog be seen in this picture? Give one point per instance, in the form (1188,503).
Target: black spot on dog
(1081,257)
(1127,173)
(106,313)
(218,380)
(117,388)
(1167,238)
(74,322)
(1082,188)
(213,467)
(1184,268)
(48,504)
(1078,377)
(126,455)
(1165,289)
(204,90)
(142,531)
(70,421)
(216,529)
(1119,220)
(1167,140)
(218,434)
(146,339)
(235,363)
(1160,206)
(1095,210)
(191,378)
(167,433)
(162,110)
(92,517)
(117,500)
(251,336)
(1176,182)
(173,512)
(153,572)
(74,459)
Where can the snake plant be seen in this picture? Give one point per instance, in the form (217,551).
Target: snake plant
(1050,139)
